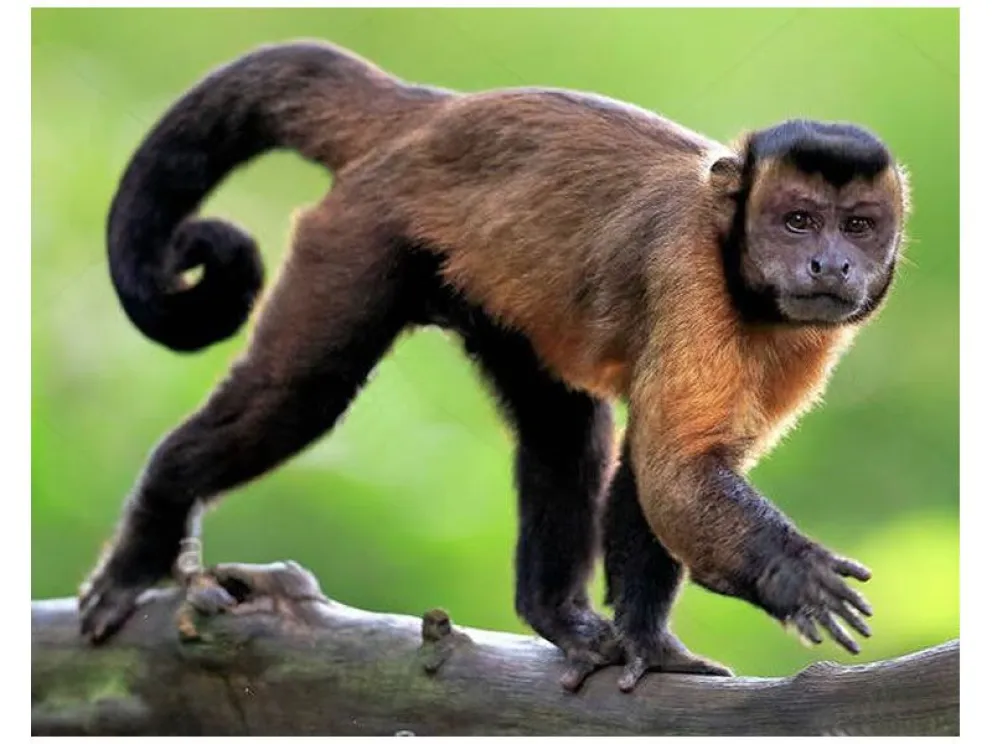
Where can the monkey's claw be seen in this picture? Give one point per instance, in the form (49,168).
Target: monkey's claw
(666,654)
(809,591)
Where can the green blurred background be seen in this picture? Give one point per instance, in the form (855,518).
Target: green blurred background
(409,503)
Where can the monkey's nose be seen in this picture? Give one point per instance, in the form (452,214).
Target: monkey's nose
(830,268)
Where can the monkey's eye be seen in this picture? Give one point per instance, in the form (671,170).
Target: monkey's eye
(799,221)
(858,225)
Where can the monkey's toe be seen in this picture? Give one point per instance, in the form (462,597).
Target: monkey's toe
(108,598)
(588,641)
(105,606)
(582,662)
(667,655)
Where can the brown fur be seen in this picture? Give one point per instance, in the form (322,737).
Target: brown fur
(594,229)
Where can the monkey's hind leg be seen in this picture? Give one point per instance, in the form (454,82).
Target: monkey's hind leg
(336,308)
(643,581)
(564,446)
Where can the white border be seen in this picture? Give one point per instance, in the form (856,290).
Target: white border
(976,165)
(976,258)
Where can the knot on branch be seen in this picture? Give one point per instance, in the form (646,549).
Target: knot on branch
(284,589)
(439,640)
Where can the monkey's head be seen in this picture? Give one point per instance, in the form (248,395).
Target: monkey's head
(818,225)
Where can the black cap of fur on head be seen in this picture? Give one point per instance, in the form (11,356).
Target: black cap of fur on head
(837,151)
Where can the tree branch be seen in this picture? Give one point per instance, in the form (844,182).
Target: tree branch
(287,661)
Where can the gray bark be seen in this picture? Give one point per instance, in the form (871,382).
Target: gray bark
(287,661)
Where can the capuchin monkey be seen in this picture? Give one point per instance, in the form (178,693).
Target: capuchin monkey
(585,251)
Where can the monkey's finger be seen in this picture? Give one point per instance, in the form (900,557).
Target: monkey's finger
(841,608)
(837,631)
(848,567)
(838,588)
(806,627)
(632,673)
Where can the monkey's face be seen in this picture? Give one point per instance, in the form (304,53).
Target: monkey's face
(824,253)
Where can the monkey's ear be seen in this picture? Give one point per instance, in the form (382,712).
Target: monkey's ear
(726,175)
(902,173)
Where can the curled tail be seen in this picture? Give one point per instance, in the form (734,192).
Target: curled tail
(328,105)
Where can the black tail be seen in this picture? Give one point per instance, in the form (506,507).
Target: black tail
(327,104)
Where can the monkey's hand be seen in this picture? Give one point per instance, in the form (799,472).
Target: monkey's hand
(664,653)
(806,588)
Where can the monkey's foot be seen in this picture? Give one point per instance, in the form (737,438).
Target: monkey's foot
(105,605)
(586,638)
(663,654)
(109,597)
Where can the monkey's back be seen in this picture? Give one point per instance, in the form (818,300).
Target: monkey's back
(545,206)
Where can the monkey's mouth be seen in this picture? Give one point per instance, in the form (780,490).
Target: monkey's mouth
(831,296)
(821,307)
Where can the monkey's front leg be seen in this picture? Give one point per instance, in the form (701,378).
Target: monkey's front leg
(643,580)
(793,578)
(735,542)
